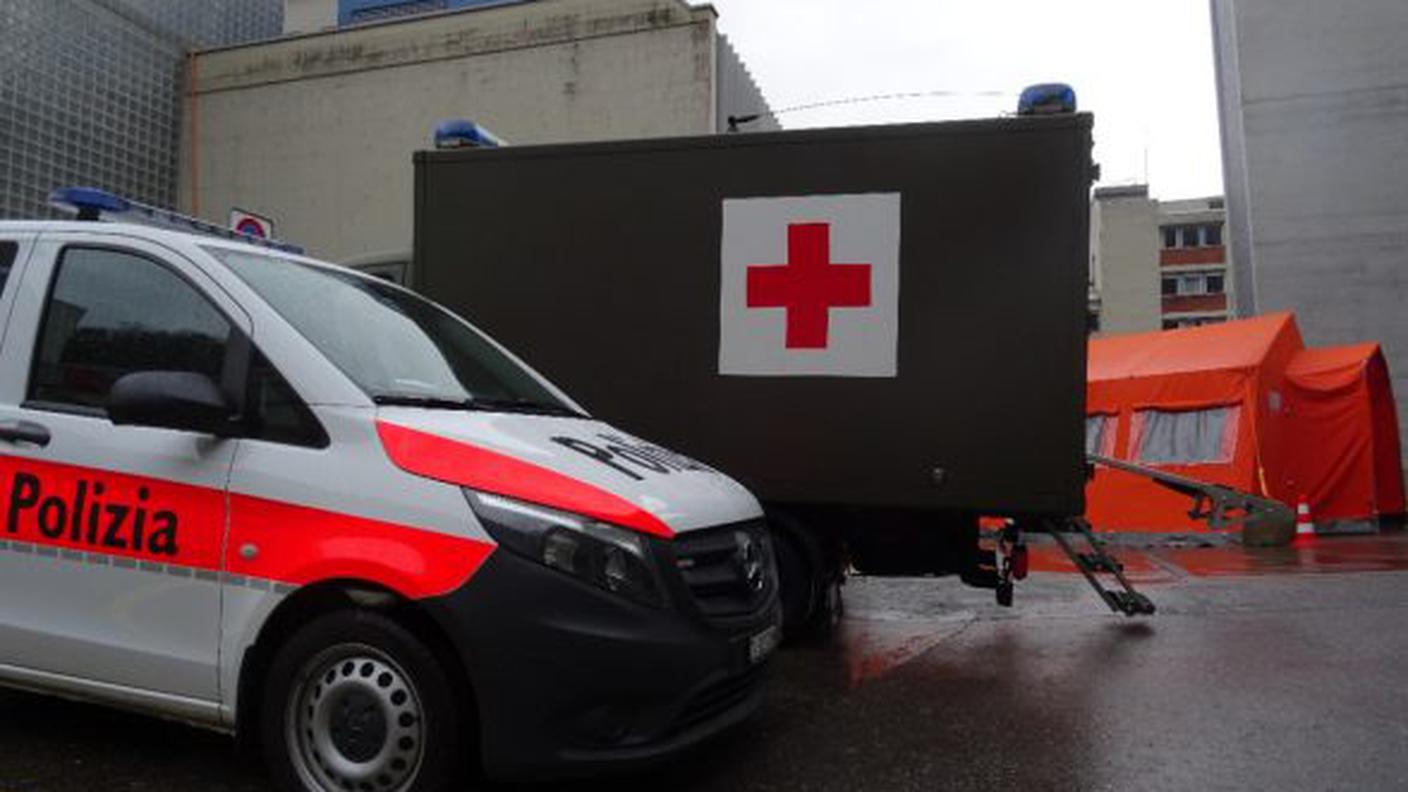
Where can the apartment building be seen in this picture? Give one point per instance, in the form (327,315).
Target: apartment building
(1157,264)
(1194,268)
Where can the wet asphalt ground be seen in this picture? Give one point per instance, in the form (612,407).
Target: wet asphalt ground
(1276,669)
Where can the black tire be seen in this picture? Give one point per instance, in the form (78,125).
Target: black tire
(390,722)
(826,615)
(811,597)
(796,585)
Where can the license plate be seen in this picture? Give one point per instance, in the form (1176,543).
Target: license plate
(763,644)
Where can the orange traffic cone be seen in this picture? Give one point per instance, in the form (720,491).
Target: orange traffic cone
(1305,526)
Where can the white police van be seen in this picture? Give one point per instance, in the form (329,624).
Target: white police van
(268,495)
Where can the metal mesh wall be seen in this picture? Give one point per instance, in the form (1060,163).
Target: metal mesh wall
(90,91)
(211,23)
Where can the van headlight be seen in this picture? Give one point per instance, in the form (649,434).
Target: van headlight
(598,553)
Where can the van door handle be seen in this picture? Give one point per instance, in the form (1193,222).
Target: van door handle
(17,431)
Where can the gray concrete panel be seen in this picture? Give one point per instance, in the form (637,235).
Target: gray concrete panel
(1314,104)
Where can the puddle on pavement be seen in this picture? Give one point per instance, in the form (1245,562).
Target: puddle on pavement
(873,643)
(876,644)
(1320,554)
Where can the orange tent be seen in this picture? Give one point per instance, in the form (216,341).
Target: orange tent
(1349,467)
(1244,404)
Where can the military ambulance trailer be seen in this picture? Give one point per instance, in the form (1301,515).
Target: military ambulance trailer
(881,331)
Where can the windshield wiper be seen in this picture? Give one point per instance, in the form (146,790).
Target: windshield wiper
(427,402)
(526,406)
(519,405)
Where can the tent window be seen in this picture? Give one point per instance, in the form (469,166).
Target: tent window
(1188,437)
(1100,435)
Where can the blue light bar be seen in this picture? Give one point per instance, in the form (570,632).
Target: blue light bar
(90,203)
(463,133)
(1047,99)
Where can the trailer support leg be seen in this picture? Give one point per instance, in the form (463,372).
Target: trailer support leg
(1011,561)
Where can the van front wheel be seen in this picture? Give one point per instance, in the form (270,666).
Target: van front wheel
(353,701)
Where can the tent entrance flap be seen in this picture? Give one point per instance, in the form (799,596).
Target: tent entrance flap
(1345,452)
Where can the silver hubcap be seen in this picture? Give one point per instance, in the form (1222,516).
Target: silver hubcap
(354,723)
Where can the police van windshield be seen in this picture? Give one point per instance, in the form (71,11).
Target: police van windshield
(396,346)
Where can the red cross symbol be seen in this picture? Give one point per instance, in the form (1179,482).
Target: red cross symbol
(808,285)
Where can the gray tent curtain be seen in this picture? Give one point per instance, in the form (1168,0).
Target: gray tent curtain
(1186,437)
(1096,429)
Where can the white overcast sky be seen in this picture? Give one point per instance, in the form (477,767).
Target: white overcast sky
(1143,67)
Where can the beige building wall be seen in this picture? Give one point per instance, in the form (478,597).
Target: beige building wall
(317,130)
(309,16)
(1124,248)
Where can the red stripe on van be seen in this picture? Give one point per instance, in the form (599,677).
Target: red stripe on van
(119,515)
(112,514)
(458,462)
(301,545)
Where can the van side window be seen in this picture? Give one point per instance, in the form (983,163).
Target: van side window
(8,250)
(276,412)
(110,313)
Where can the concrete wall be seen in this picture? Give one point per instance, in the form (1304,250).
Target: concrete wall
(1314,105)
(317,131)
(1124,244)
(1237,233)
(309,16)
(1191,210)
(739,94)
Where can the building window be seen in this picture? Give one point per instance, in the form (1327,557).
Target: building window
(365,11)
(1186,437)
(1192,236)
(1192,321)
(1192,285)
(1189,285)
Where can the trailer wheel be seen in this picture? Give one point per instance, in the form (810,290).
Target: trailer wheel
(810,582)
(355,702)
(795,584)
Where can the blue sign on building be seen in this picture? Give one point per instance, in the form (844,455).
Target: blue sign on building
(351,12)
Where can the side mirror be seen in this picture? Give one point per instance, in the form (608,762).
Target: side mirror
(170,400)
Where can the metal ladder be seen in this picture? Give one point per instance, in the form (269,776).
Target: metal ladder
(1010,562)
(1122,600)
(1221,507)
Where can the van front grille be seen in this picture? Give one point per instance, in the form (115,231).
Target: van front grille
(728,570)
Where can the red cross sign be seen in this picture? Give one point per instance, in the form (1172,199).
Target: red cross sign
(826,302)
(808,285)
